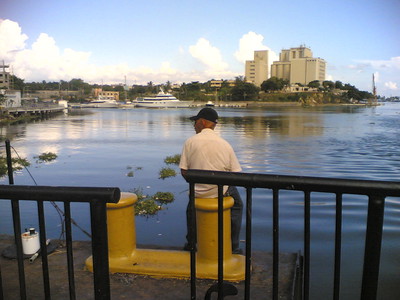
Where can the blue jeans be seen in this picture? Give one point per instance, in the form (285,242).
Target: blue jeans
(236,216)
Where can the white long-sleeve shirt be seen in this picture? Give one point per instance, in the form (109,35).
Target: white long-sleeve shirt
(208,151)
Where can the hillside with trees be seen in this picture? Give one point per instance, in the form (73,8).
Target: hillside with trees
(272,90)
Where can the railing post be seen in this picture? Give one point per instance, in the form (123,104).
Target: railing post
(249,209)
(16,225)
(307,230)
(275,234)
(338,246)
(373,241)
(1,287)
(100,250)
(192,242)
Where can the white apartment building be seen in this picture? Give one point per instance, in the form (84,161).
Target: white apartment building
(298,66)
(257,70)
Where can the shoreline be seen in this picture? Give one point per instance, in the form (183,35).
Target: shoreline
(276,104)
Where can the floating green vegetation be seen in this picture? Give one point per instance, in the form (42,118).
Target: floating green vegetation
(175,159)
(167,172)
(150,205)
(17,164)
(147,207)
(132,173)
(163,197)
(139,193)
(45,157)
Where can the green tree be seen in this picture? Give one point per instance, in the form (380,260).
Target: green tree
(314,84)
(244,91)
(18,83)
(348,87)
(2,98)
(77,84)
(274,84)
(328,85)
(338,85)
(167,86)
(151,89)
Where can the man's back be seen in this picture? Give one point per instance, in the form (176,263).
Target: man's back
(208,151)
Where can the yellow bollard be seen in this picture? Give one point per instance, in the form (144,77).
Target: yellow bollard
(207,240)
(121,233)
(121,228)
(125,257)
(207,228)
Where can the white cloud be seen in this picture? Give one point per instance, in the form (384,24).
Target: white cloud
(11,39)
(329,77)
(249,43)
(391,85)
(208,55)
(392,63)
(386,72)
(361,67)
(377,76)
(44,60)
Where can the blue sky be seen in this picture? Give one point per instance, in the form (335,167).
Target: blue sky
(184,41)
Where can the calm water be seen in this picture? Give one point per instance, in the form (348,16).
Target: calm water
(100,147)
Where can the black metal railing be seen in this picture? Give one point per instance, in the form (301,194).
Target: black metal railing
(376,191)
(97,199)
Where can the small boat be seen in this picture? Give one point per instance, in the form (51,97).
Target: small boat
(210,104)
(127,105)
(161,100)
(103,102)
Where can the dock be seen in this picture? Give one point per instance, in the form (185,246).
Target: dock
(132,286)
(39,110)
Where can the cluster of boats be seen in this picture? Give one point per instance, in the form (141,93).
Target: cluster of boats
(161,100)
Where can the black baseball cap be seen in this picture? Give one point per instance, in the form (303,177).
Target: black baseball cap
(206,113)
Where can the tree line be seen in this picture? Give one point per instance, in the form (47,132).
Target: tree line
(240,90)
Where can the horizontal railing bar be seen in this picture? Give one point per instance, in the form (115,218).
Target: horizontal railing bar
(60,193)
(300,183)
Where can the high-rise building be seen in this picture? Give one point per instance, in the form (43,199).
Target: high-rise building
(298,66)
(257,70)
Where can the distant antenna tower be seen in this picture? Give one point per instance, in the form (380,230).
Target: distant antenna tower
(373,86)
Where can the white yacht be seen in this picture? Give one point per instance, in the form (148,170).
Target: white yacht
(161,100)
(104,102)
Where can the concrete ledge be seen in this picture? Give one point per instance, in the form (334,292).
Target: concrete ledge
(132,286)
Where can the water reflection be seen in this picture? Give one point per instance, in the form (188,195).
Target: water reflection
(94,148)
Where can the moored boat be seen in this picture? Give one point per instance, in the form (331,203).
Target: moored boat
(161,100)
(102,102)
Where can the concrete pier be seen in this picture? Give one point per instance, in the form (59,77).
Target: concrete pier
(132,286)
(34,111)
(124,257)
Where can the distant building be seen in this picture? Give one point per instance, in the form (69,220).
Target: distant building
(295,88)
(99,93)
(12,98)
(298,66)
(218,83)
(175,86)
(257,70)
(5,77)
